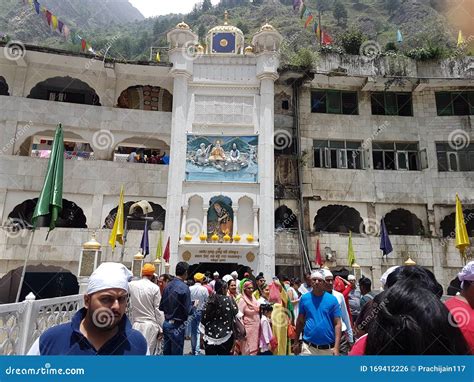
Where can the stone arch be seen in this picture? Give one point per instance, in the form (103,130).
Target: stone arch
(447,225)
(338,218)
(73,143)
(146,97)
(245,215)
(3,87)
(44,281)
(285,218)
(158,214)
(65,89)
(142,146)
(71,216)
(403,222)
(195,215)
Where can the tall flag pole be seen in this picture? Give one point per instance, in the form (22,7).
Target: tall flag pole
(350,251)
(145,243)
(117,231)
(462,238)
(385,243)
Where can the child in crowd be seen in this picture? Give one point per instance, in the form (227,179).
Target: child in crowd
(267,341)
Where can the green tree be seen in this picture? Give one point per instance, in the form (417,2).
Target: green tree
(202,32)
(206,6)
(351,40)
(243,27)
(340,12)
(323,5)
(257,2)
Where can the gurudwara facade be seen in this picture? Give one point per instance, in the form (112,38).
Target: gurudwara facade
(245,165)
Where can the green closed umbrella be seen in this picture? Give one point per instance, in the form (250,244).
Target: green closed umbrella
(50,201)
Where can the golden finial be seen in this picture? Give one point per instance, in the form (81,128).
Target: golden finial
(226,17)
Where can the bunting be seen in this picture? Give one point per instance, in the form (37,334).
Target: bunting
(307,15)
(308,20)
(59,26)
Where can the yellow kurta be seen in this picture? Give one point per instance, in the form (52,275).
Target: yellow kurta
(280,329)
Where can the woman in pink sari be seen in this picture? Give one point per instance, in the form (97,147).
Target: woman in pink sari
(249,308)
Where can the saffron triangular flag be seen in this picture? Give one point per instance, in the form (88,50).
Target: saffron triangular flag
(462,238)
(318,255)
(308,20)
(460,38)
(166,254)
(350,251)
(399,36)
(385,244)
(117,231)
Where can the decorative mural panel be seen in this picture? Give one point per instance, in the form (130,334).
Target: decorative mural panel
(224,109)
(220,218)
(222,158)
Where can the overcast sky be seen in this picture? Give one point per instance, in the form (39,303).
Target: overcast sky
(151,8)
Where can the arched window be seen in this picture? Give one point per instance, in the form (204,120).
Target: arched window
(403,222)
(158,215)
(145,98)
(71,216)
(3,86)
(285,218)
(338,218)
(447,225)
(65,89)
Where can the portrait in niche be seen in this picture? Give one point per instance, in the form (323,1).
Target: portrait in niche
(222,159)
(220,217)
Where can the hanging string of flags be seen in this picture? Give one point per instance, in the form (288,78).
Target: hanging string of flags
(305,14)
(58,26)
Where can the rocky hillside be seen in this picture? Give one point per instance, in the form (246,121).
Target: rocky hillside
(101,21)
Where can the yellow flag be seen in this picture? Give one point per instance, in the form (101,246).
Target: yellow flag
(54,22)
(350,251)
(460,39)
(158,58)
(462,239)
(117,231)
(159,249)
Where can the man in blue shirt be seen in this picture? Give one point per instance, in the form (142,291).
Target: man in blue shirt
(101,327)
(176,305)
(320,317)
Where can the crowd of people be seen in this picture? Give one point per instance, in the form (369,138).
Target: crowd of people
(151,158)
(324,315)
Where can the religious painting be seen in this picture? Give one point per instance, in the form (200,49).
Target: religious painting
(222,158)
(220,218)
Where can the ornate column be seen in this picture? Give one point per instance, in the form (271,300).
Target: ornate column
(255,223)
(184,220)
(235,226)
(204,220)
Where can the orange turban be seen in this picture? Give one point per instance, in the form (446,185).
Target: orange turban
(148,269)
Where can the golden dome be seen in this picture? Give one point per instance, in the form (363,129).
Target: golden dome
(92,244)
(183,25)
(248,49)
(267,28)
(226,27)
(410,262)
(200,49)
(138,256)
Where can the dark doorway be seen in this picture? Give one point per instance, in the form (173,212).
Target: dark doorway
(222,268)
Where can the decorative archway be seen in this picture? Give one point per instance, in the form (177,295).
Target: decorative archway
(447,225)
(338,218)
(71,216)
(65,89)
(403,222)
(146,97)
(157,224)
(285,218)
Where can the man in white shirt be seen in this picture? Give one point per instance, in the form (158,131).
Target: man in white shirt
(306,287)
(199,296)
(213,282)
(347,336)
(145,300)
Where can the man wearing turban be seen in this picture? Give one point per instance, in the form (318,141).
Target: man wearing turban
(145,297)
(101,327)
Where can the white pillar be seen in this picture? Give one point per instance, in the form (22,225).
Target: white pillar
(235,226)
(255,223)
(184,220)
(204,220)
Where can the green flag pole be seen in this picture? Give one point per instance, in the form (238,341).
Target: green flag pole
(23,272)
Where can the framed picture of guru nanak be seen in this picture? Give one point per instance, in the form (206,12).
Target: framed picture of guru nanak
(222,158)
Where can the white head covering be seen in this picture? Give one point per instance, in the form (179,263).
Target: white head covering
(216,273)
(351,278)
(227,278)
(467,273)
(326,273)
(107,276)
(234,274)
(317,275)
(384,277)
